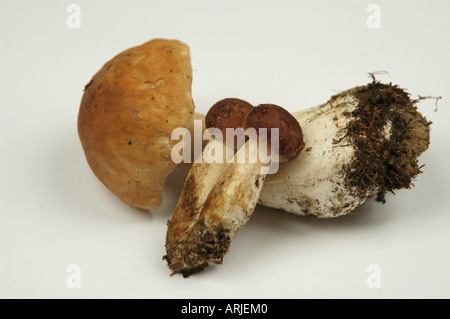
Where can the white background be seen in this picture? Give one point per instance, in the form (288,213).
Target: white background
(54,212)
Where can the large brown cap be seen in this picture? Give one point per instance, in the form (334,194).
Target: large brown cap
(127,114)
(271,116)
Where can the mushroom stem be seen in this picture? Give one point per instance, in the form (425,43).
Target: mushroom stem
(224,200)
(198,186)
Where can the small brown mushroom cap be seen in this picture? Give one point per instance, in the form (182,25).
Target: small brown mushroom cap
(273,116)
(127,114)
(227,113)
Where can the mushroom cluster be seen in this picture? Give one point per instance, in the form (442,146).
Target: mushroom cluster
(363,142)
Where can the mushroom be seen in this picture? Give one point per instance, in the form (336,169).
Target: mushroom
(202,176)
(214,207)
(127,114)
(363,142)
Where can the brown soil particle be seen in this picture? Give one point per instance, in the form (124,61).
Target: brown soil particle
(388,134)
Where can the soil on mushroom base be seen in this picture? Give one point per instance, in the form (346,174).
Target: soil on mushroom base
(385,164)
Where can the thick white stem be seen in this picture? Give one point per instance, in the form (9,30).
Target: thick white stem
(313,183)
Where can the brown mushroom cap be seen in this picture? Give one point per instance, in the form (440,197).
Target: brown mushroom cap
(227,113)
(127,114)
(273,116)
